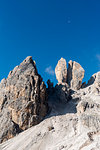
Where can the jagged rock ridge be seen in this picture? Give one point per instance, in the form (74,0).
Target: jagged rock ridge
(65,128)
(73,119)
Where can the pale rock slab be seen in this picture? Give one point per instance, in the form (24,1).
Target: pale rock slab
(61,71)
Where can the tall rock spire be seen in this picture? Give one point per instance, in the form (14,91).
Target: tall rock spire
(73,76)
(61,71)
(23,99)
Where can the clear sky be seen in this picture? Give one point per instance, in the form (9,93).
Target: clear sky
(49,30)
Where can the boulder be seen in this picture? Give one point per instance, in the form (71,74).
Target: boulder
(23,99)
(61,71)
(75,75)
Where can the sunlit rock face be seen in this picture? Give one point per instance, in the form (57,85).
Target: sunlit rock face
(72,124)
(73,109)
(75,75)
(61,71)
(23,99)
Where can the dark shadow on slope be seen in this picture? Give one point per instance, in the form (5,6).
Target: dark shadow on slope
(60,100)
(91,81)
(60,108)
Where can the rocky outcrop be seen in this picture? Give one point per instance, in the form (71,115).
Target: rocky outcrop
(23,99)
(62,92)
(95,79)
(94,84)
(73,118)
(61,71)
(65,127)
(75,75)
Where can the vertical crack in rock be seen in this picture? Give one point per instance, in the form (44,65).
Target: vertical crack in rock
(73,75)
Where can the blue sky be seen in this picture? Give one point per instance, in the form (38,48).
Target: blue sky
(49,30)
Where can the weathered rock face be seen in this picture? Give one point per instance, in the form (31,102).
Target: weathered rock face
(89,114)
(94,83)
(62,92)
(74,115)
(23,99)
(74,125)
(61,71)
(58,94)
(94,79)
(75,75)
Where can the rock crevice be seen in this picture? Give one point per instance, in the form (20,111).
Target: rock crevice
(73,75)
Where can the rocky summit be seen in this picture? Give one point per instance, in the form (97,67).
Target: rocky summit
(61,117)
(23,99)
(73,75)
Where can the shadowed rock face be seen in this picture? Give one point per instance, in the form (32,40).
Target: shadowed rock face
(23,99)
(95,79)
